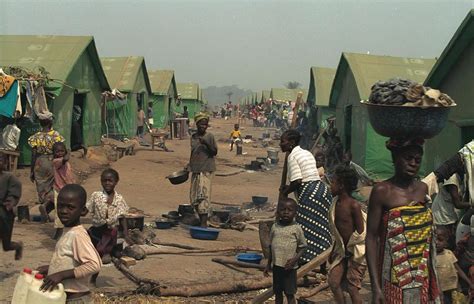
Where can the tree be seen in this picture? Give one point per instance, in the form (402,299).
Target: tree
(292,85)
(229,94)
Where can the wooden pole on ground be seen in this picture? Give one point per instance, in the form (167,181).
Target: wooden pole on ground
(317,261)
(284,173)
(238,263)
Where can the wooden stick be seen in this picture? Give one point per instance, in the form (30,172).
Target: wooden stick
(284,173)
(315,290)
(178,246)
(320,259)
(149,250)
(238,263)
(217,288)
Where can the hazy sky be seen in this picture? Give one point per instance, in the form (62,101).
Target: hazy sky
(254,44)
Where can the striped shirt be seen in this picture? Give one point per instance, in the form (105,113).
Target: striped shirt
(302,165)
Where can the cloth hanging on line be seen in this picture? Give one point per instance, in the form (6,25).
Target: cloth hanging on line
(10,102)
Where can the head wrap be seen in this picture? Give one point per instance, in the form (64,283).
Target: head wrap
(395,144)
(45,115)
(200,116)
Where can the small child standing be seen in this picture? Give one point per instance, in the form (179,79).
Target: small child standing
(287,245)
(234,135)
(10,193)
(106,207)
(63,176)
(74,259)
(347,221)
(447,266)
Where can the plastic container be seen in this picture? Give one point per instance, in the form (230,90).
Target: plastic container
(253,258)
(36,296)
(272,153)
(202,233)
(21,287)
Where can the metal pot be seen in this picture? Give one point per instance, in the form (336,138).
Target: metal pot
(185,209)
(133,222)
(23,213)
(178,177)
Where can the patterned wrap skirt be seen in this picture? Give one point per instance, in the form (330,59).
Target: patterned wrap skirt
(314,202)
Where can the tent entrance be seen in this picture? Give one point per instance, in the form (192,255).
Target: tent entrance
(347,127)
(77,122)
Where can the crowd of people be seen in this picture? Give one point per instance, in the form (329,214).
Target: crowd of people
(406,237)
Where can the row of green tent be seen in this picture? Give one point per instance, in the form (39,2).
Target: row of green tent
(338,92)
(80,77)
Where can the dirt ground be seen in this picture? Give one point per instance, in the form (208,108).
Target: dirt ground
(144,186)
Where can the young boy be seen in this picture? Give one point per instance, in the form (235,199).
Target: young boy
(446,265)
(287,245)
(63,175)
(10,193)
(347,259)
(74,259)
(234,135)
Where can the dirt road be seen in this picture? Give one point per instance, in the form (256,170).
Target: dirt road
(143,185)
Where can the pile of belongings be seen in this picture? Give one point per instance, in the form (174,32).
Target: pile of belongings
(403,92)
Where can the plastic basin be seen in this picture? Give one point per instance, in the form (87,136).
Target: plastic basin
(253,258)
(202,233)
(259,200)
(163,224)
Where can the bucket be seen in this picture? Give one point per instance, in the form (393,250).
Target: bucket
(23,213)
(239,150)
(272,153)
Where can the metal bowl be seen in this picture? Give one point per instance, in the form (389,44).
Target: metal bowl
(406,122)
(259,200)
(178,177)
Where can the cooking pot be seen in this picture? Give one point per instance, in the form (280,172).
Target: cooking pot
(185,209)
(178,177)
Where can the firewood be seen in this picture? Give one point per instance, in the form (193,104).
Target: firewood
(317,261)
(315,290)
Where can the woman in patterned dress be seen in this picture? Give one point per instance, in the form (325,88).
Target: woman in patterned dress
(314,197)
(42,172)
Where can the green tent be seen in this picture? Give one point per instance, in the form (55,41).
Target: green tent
(284,95)
(164,96)
(189,96)
(453,74)
(321,80)
(129,76)
(74,65)
(355,75)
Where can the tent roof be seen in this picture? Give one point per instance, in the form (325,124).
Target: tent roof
(281,94)
(188,90)
(122,72)
(322,79)
(265,95)
(161,80)
(368,69)
(57,54)
(461,39)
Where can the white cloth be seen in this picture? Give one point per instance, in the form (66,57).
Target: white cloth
(103,213)
(302,165)
(74,250)
(444,212)
(10,137)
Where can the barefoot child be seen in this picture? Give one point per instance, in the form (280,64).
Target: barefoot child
(63,175)
(347,260)
(287,245)
(234,135)
(106,207)
(74,259)
(447,266)
(10,193)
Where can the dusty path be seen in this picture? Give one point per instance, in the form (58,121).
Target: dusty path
(143,184)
